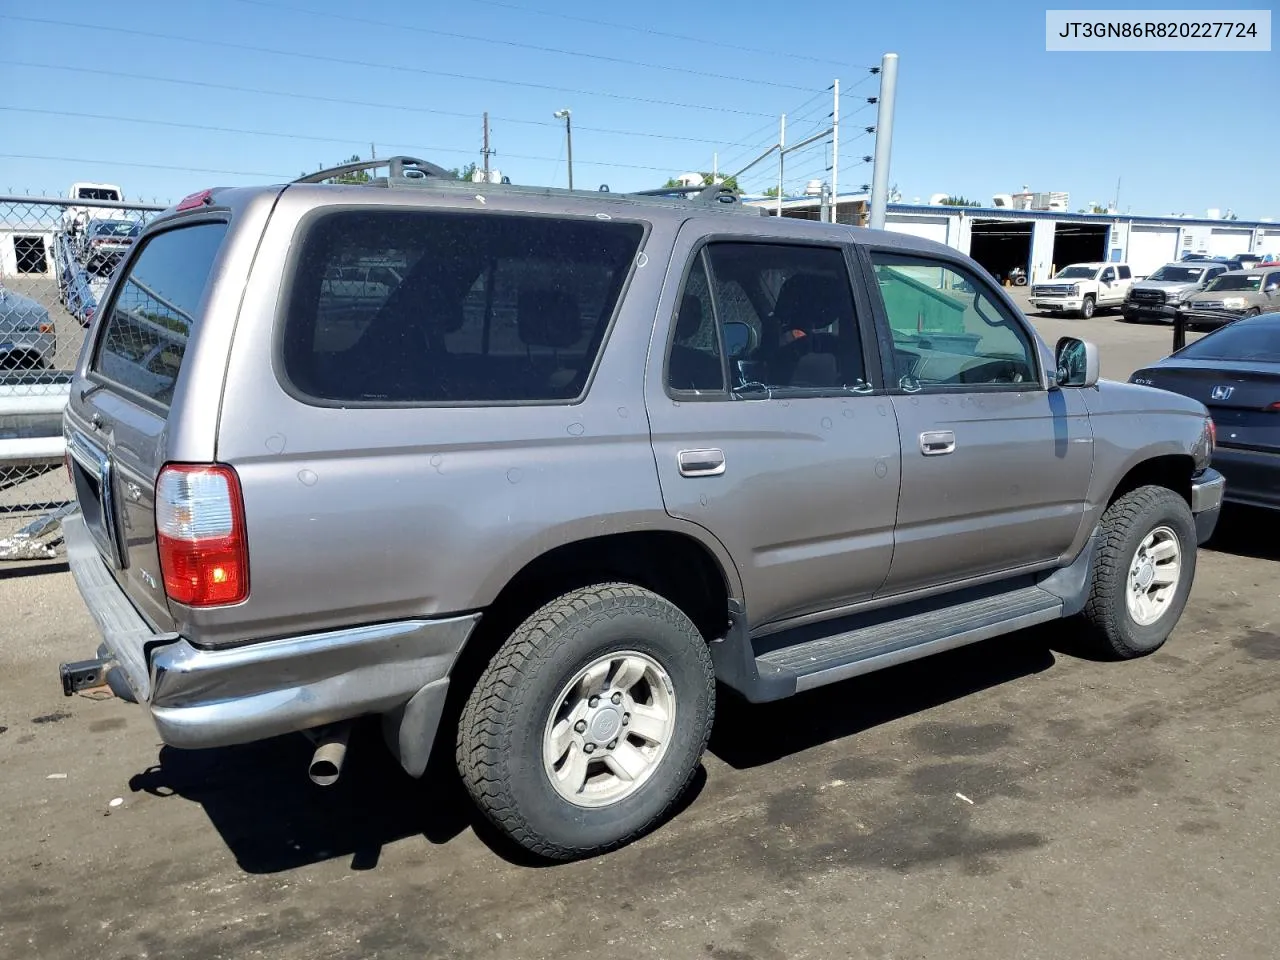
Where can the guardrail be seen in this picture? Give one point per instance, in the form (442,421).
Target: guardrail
(51,285)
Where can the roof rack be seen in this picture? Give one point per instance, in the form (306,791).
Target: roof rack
(413,172)
(398,168)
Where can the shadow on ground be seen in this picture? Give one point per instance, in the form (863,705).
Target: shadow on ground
(1247,532)
(274,819)
(748,735)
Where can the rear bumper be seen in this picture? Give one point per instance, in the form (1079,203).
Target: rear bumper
(1253,476)
(213,698)
(1206,502)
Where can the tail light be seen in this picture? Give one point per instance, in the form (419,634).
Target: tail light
(204,555)
(1211,431)
(1275,407)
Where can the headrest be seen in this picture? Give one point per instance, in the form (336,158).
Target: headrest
(548,318)
(812,301)
(689,319)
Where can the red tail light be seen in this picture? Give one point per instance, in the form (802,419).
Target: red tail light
(1211,429)
(1275,406)
(204,555)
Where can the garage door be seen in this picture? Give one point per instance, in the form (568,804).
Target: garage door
(1268,241)
(1227,242)
(1151,246)
(931,228)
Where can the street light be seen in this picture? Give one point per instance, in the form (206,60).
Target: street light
(568,138)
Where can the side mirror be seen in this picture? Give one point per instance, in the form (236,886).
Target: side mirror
(1077,363)
(737,338)
(1270,289)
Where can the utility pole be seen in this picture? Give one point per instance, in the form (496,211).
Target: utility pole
(782,156)
(568,137)
(486,151)
(835,154)
(373,152)
(884,140)
(715,167)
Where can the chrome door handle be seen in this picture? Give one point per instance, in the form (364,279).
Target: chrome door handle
(935,443)
(700,463)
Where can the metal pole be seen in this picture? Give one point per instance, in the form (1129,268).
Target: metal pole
(835,155)
(825,215)
(568,136)
(486,146)
(715,167)
(782,156)
(884,140)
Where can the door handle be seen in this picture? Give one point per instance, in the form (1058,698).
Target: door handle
(935,443)
(700,463)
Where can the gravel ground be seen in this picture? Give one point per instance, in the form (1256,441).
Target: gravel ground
(1014,798)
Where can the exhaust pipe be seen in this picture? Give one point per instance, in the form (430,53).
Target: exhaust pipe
(331,752)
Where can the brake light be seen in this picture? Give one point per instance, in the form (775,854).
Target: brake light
(1275,407)
(204,556)
(1211,430)
(194,200)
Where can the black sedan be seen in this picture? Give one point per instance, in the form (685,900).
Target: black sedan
(1235,372)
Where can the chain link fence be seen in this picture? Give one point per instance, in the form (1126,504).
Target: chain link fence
(56,260)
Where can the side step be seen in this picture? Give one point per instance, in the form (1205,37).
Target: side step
(814,663)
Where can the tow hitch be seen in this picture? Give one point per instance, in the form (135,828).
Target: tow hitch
(84,674)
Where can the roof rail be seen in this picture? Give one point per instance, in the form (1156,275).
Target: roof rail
(398,168)
(714,193)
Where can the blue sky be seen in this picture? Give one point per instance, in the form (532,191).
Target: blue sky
(982,108)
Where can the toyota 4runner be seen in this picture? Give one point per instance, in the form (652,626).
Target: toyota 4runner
(525,472)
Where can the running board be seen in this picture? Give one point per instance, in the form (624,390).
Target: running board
(824,660)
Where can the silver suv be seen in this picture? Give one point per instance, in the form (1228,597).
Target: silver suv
(524,472)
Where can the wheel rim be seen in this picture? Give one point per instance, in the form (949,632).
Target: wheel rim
(609,729)
(1154,574)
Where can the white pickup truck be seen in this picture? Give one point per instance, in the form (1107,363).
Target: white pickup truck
(1084,288)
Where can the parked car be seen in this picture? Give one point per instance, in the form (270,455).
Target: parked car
(1158,296)
(1244,261)
(1083,288)
(1235,372)
(27,337)
(1239,293)
(76,215)
(575,459)
(105,241)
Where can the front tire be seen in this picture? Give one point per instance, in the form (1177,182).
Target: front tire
(1142,572)
(1087,308)
(589,723)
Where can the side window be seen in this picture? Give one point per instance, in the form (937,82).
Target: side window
(1271,278)
(1125,273)
(1215,272)
(947,331)
(693,362)
(1108,275)
(787,318)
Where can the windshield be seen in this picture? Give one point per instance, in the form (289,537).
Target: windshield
(1178,274)
(1076,273)
(1236,281)
(1243,340)
(96,193)
(115,228)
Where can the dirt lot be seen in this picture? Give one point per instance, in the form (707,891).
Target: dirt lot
(1009,799)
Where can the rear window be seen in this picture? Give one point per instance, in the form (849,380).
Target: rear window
(444,307)
(1251,340)
(144,337)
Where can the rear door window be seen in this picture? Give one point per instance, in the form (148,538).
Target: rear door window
(144,336)
(393,306)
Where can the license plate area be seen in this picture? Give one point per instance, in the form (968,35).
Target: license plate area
(91,472)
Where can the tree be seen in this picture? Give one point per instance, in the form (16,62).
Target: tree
(771,192)
(358,176)
(464,173)
(728,182)
(959,201)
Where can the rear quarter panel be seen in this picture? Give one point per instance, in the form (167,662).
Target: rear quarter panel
(361,514)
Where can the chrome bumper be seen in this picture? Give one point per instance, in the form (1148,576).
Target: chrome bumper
(214,698)
(1206,491)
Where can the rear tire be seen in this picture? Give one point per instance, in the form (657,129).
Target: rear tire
(588,725)
(1087,308)
(1142,572)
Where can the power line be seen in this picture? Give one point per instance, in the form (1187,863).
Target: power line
(400,25)
(147,166)
(419,71)
(259,91)
(659,33)
(298,136)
